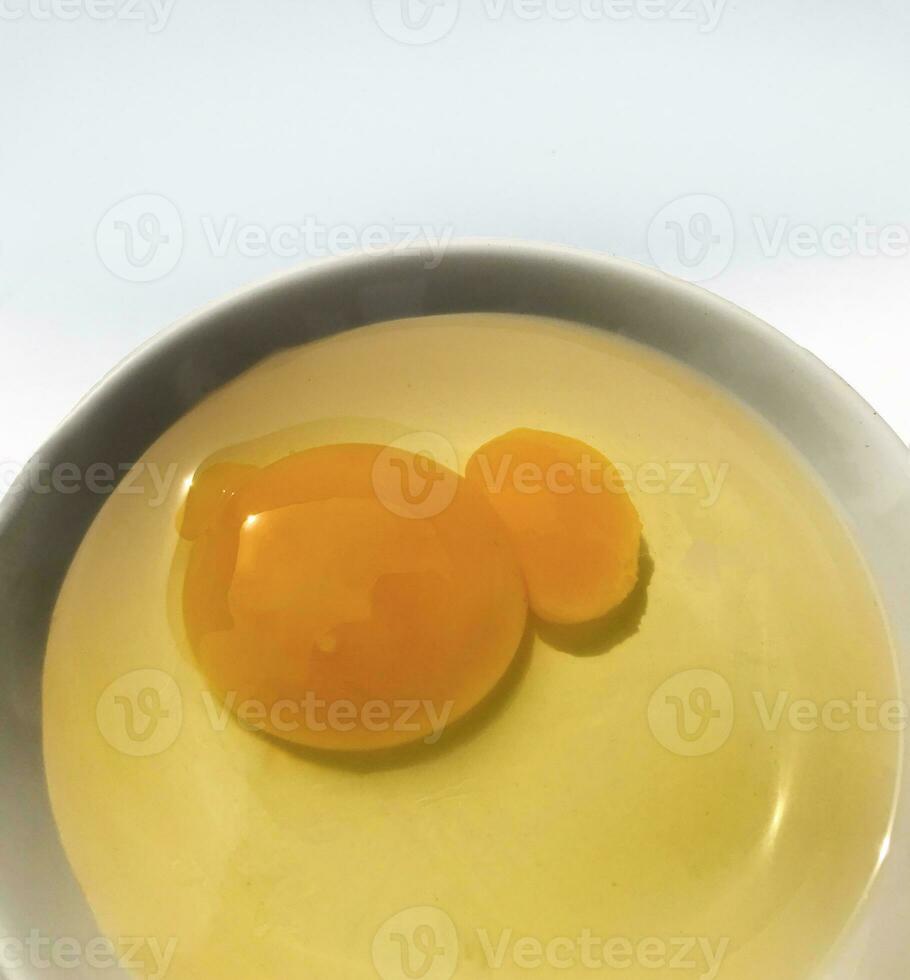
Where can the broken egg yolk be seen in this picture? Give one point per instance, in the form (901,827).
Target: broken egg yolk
(574,528)
(349,596)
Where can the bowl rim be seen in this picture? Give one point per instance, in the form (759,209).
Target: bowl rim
(458,245)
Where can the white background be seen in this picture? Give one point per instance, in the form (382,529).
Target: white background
(558,120)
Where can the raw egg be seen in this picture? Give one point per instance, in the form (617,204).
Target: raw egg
(574,528)
(349,596)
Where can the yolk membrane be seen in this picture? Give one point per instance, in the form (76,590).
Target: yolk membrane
(572,523)
(349,596)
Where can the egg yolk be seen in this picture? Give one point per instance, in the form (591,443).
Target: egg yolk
(573,526)
(350,596)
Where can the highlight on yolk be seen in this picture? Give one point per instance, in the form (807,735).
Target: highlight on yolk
(575,529)
(349,596)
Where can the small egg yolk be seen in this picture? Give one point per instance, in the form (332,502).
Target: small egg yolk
(574,528)
(350,596)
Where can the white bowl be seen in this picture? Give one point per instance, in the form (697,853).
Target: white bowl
(864,465)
